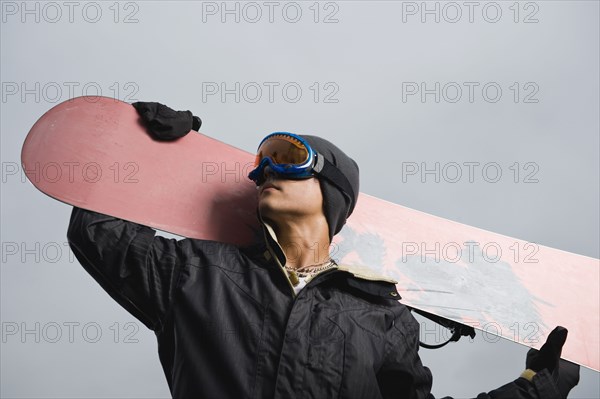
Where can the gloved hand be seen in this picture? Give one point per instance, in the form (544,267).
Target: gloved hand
(163,123)
(564,373)
(549,354)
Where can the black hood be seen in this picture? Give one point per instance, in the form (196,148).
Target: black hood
(337,205)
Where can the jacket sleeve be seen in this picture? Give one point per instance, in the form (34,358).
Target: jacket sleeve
(541,386)
(137,269)
(404,376)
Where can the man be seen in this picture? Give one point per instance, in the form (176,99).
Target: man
(280,319)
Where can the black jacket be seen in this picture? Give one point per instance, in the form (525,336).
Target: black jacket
(229,324)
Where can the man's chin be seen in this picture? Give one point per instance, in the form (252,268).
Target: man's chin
(266,210)
(270,212)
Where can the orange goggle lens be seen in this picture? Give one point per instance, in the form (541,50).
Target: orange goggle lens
(282,150)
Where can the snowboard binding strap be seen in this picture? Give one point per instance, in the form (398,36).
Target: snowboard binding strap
(458,330)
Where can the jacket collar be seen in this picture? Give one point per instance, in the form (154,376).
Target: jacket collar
(274,250)
(372,284)
(365,273)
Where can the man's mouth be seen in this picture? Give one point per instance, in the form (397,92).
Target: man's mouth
(268,186)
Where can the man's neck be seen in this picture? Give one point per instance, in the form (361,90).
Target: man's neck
(304,244)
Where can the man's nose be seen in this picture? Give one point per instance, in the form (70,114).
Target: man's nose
(268,172)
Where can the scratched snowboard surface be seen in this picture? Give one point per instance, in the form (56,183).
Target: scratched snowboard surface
(91,152)
(497,284)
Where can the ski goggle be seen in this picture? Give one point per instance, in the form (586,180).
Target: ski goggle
(291,157)
(287,155)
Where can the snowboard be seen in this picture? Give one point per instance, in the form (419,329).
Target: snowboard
(93,153)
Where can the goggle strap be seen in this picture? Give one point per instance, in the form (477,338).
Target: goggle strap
(330,172)
(320,162)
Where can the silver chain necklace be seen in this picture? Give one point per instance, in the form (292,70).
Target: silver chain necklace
(309,270)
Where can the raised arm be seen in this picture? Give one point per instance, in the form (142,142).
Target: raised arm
(134,267)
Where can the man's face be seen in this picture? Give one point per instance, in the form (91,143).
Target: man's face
(279,199)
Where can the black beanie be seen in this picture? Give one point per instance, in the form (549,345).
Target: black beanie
(337,205)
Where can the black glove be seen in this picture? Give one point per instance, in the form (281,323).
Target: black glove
(566,376)
(564,373)
(549,354)
(163,123)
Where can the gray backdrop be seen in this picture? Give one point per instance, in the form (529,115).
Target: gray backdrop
(512,86)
